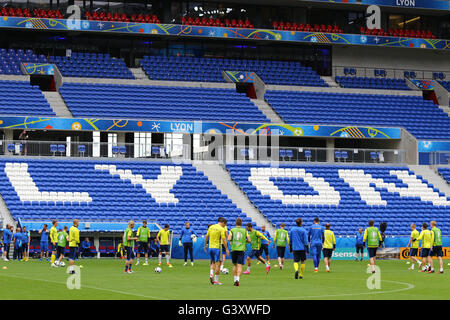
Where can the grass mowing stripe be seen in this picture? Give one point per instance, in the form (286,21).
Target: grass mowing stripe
(409,287)
(86,286)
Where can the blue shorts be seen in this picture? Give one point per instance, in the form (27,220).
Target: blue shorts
(316,249)
(413,252)
(265,249)
(130,253)
(44,246)
(425,252)
(73,253)
(6,247)
(255,253)
(360,249)
(215,255)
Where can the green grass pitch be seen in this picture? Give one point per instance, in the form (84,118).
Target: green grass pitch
(105,279)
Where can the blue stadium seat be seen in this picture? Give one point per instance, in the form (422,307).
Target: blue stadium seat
(210,70)
(420,117)
(159,102)
(349,212)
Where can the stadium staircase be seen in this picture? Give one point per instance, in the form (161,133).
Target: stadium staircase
(268,111)
(5,214)
(222,180)
(433,177)
(57,104)
(330,81)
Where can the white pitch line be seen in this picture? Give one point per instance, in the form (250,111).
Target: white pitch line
(409,287)
(87,286)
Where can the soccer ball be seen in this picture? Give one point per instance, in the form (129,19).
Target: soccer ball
(194,238)
(225,271)
(158,270)
(62,264)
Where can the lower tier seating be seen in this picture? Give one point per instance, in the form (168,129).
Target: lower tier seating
(445,173)
(345,196)
(41,190)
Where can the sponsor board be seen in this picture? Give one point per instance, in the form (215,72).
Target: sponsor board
(404,253)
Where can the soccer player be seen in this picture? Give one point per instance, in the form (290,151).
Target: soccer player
(427,237)
(281,239)
(86,248)
(372,237)
(214,239)
(186,239)
(120,250)
(164,239)
(265,243)
(7,236)
(128,243)
(17,240)
(239,238)
(437,247)
(25,242)
(74,240)
(414,243)
(255,243)
(359,245)
(54,240)
(143,235)
(224,257)
(329,245)
(44,241)
(298,245)
(316,238)
(62,237)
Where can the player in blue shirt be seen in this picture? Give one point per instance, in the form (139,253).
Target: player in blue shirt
(7,236)
(265,244)
(186,240)
(298,245)
(359,244)
(44,242)
(316,237)
(17,240)
(25,243)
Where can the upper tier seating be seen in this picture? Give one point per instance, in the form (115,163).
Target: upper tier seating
(10,60)
(210,70)
(445,173)
(294,26)
(210,22)
(402,33)
(36,13)
(422,118)
(113,191)
(92,65)
(159,103)
(20,98)
(345,196)
(121,17)
(372,83)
